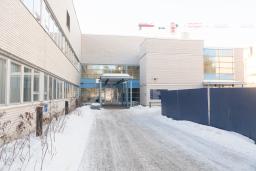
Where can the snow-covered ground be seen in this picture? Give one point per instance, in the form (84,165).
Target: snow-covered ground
(139,138)
(64,149)
(142,139)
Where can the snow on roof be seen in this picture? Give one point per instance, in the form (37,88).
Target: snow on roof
(221,82)
(115,75)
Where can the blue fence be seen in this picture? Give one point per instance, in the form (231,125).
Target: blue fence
(232,109)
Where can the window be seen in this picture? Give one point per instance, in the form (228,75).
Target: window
(57,89)
(61,89)
(15,81)
(155,94)
(68,21)
(218,64)
(54,89)
(51,27)
(50,88)
(45,17)
(27,85)
(28,4)
(36,91)
(37,9)
(45,87)
(3,80)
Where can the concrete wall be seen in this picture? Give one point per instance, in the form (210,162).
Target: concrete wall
(109,49)
(171,64)
(239,64)
(22,36)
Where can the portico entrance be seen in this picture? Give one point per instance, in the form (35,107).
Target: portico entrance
(115,89)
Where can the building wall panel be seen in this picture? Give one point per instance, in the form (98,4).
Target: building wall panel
(23,37)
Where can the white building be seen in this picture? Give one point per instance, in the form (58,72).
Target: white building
(40,49)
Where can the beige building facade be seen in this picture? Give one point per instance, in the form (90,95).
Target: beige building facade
(170,64)
(40,49)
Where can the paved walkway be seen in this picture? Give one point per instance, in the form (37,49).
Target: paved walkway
(121,140)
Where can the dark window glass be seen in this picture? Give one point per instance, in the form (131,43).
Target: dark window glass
(155,94)
(68,21)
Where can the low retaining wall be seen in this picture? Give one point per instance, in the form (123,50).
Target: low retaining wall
(232,109)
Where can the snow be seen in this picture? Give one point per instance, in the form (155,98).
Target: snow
(67,147)
(115,75)
(219,142)
(139,138)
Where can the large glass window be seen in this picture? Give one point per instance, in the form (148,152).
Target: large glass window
(15,81)
(94,71)
(218,64)
(36,91)
(27,85)
(3,80)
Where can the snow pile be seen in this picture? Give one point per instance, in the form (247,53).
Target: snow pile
(63,151)
(196,134)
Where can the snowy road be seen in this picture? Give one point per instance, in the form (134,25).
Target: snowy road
(131,140)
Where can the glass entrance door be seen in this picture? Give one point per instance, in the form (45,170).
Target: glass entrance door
(111,96)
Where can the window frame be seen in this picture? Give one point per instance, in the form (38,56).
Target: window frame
(31,83)
(6,80)
(21,83)
(36,73)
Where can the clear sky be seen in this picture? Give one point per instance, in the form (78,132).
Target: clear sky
(221,22)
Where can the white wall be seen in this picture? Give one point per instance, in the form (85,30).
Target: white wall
(109,49)
(239,64)
(22,36)
(171,64)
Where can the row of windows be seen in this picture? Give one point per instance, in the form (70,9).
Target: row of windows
(218,52)
(25,84)
(42,14)
(95,71)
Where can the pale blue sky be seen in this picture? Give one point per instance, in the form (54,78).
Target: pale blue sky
(121,17)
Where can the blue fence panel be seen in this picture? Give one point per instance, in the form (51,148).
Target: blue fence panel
(234,109)
(193,105)
(169,102)
(186,105)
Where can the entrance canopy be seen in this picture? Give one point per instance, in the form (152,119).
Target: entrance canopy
(114,78)
(119,81)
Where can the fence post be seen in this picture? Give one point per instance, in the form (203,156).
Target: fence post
(66,107)
(209,105)
(39,121)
